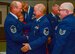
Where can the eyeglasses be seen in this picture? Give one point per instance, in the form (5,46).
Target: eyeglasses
(62,9)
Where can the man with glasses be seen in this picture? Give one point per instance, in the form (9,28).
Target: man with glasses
(65,32)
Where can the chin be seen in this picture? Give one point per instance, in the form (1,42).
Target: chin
(61,17)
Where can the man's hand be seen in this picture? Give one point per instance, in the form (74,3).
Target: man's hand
(25,48)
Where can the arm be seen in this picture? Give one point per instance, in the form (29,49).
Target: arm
(15,34)
(42,37)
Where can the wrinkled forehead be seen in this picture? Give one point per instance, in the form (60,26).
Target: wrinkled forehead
(19,3)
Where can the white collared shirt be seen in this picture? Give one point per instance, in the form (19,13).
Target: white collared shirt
(28,9)
(14,15)
(39,18)
(53,14)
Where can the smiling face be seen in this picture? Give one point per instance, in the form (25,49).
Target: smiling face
(16,7)
(19,8)
(63,13)
(37,12)
(65,9)
(55,9)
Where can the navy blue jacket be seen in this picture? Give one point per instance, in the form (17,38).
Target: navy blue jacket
(38,36)
(14,35)
(54,20)
(65,36)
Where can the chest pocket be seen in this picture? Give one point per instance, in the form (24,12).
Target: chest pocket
(36,30)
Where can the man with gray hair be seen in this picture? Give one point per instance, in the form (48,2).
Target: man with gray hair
(39,32)
(65,32)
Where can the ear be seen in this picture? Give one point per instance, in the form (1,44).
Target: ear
(67,11)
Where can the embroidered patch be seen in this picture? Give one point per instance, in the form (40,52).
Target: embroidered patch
(46,31)
(62,32)
(13,29)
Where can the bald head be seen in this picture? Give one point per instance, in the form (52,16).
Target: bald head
(40,7)
(15,4)
(67,5)
(16,7)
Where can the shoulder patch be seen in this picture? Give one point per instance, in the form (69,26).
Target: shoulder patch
(62,32)
(46,31)
(13,29)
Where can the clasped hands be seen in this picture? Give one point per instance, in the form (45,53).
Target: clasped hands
(25,48)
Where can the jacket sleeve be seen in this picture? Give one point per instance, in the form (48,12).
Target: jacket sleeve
(14,33)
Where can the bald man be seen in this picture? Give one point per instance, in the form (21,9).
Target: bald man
(65,32)
(39,32)
(13,29)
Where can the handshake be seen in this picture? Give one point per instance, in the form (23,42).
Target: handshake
(26,47)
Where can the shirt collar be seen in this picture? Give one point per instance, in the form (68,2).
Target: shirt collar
(53,14)
(39,18)
(28,9)
(14,15)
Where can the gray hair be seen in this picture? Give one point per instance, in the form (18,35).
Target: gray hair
(67,5)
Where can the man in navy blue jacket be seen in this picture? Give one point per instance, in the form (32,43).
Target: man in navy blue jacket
(14,30)
(54,20)
(39,32)
(53,16)
(65,32)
